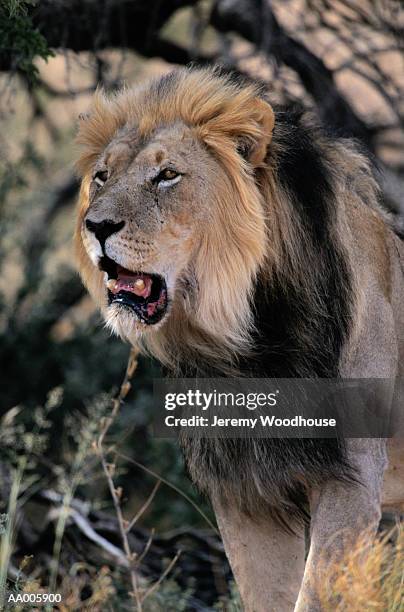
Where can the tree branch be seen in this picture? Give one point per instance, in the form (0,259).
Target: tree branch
(255,21)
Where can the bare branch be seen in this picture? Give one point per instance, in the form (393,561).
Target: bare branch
(143,508)
(115,493)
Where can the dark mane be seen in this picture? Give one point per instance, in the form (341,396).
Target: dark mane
(299,332)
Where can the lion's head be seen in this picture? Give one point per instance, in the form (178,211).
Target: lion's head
(171,229)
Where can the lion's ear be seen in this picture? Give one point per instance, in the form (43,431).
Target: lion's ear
(254,148)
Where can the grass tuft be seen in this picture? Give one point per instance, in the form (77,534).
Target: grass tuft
(369,578)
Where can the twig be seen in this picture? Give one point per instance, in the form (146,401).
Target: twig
(168,569)
(144,507)
(123,392)
(116,494)
(147,547)
(108,471)
(169,484)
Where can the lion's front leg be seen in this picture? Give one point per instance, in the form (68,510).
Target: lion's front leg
(340,512)
(267,562)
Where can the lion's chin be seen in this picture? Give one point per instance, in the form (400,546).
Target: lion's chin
(122,321)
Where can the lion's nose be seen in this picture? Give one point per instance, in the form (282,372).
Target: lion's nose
(103,229)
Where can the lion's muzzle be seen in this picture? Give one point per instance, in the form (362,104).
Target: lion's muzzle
(143,293)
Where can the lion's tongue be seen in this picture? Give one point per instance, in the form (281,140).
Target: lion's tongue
(139,284)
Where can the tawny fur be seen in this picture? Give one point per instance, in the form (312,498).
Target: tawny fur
(246,228)
(246,236)
(227,261)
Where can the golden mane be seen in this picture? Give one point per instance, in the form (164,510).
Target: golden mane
(223,115)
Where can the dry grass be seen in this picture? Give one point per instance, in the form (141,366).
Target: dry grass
(71,589)
(369,578)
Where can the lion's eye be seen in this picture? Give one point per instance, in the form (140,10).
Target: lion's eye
(100,177)
(168,177)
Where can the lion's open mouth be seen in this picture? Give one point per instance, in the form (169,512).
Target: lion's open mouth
(145,294)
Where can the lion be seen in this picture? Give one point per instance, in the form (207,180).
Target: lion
(226,238)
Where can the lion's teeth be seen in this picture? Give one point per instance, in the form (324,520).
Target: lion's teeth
(140,284)
(111,284)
